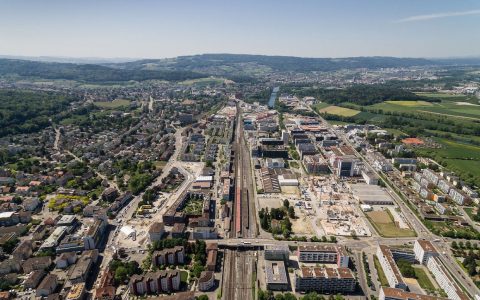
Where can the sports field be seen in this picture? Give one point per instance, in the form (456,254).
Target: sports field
(385,225)
(339,111)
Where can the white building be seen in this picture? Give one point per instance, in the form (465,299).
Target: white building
(424,250)
(394,277)
(444,279)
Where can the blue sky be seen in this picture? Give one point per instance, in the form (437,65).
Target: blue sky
(309,28)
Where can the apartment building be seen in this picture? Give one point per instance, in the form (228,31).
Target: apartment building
(390,268)
(325,280)
(424,250)
(444,280)
(155,282)
(172,256)
(387,293)
(323,254)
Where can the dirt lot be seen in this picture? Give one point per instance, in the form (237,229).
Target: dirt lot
(302,225)
(379,216)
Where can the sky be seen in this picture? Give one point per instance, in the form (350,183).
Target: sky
(306,28)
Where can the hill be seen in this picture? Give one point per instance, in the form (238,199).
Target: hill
(221,64)
(87,72)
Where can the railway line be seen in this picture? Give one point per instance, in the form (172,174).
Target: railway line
(240,266)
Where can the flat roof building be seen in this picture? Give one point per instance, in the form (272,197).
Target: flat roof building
(276,275)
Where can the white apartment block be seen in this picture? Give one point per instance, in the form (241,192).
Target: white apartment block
(444,279)
(394,277)
(424,250)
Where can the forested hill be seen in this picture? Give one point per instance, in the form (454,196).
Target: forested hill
(239,62)
(87,72)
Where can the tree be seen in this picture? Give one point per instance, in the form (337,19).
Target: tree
(9,245)
(121,274)
(454,245)
(286,203)
(291,212)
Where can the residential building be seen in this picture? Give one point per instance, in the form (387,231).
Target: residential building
(47,286)
(323,254)
(172,256)
(37,263)
(444,279)
(156,231)
(206,281)
(390,268)
(155,282)
(325,280)
(94,234)
(424,250)
(387,293)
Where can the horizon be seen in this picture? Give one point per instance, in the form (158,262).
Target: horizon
(312,29)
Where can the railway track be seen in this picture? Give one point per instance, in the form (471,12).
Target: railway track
(240,266)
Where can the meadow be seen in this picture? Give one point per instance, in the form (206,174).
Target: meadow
(112,104)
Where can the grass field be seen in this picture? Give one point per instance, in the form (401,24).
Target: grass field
(459,157)
(203,81)
(319,106)
(423,280)
(453,107)
(381,275)
(339,111)
(112,104)
(386,227)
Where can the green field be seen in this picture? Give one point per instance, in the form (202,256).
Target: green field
(461,108)
(462,158)
(112,104)
(317,107)
(384,224)
(423,280)
(203,81)
(339,111)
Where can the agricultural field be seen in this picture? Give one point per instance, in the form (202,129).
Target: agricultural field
(386,227)
(462,158)
(112,104)
(339,111)
(458,107)
(410,103)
